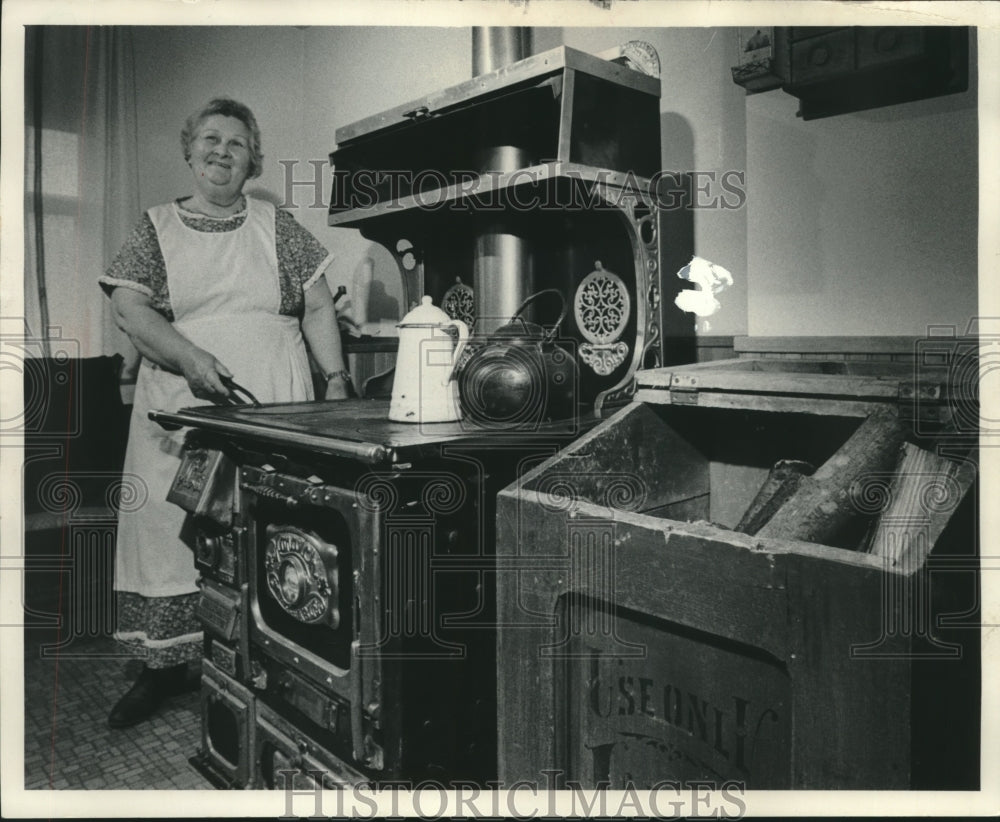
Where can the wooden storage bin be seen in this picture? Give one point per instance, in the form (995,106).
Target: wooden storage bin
(642,641)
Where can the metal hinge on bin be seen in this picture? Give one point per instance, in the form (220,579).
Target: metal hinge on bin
(683,389)
(923,401)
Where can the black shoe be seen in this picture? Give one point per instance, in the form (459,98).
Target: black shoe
(144,697)
(175,680)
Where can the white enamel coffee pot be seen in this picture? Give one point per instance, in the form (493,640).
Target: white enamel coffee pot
(423,389)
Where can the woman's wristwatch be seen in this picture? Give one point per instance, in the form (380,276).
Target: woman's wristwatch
(343,374)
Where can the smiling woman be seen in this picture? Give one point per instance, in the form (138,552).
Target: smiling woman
(221,161)
(223,151)
(209,287)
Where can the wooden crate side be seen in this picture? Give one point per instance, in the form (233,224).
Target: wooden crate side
(651,701)
(567,563)
(636,436)
(852,712)
(762,618)
(581,443)
(524,704)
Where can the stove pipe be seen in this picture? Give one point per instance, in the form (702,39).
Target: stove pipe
(494,47)
(502,269)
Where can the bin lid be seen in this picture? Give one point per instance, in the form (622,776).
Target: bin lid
(810,385)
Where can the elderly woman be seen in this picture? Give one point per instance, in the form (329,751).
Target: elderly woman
(208,287)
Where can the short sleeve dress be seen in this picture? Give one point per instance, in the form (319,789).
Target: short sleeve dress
(234,286)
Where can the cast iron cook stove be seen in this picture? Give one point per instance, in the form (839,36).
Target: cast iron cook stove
(348,562)
(349,602)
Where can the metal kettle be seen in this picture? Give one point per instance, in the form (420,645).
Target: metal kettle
(519,374)
(423,389)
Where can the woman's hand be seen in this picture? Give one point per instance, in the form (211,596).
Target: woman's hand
(204,375)
(158,341)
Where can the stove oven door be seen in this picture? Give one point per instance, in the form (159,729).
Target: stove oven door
(311,608)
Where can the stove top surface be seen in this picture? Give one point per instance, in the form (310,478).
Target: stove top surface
(362,426)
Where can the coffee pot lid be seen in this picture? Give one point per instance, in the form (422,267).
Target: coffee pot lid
(425,314)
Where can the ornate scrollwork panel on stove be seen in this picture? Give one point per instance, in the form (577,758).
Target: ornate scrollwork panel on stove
(637,210)
(602,308)
(459,303)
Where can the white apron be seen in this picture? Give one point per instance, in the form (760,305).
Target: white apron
(225,297)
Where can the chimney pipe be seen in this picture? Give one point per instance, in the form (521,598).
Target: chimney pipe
(494,47)
(502,267)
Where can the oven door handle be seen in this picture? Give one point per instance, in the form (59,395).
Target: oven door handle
(267,492)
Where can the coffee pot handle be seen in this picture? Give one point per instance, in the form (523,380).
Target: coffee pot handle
(463,338)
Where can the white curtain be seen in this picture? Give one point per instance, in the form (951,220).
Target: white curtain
(81,187)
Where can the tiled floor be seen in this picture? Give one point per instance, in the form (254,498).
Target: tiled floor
(68,745)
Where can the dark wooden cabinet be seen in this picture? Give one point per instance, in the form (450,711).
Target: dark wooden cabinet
(839,70)
(822,59)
